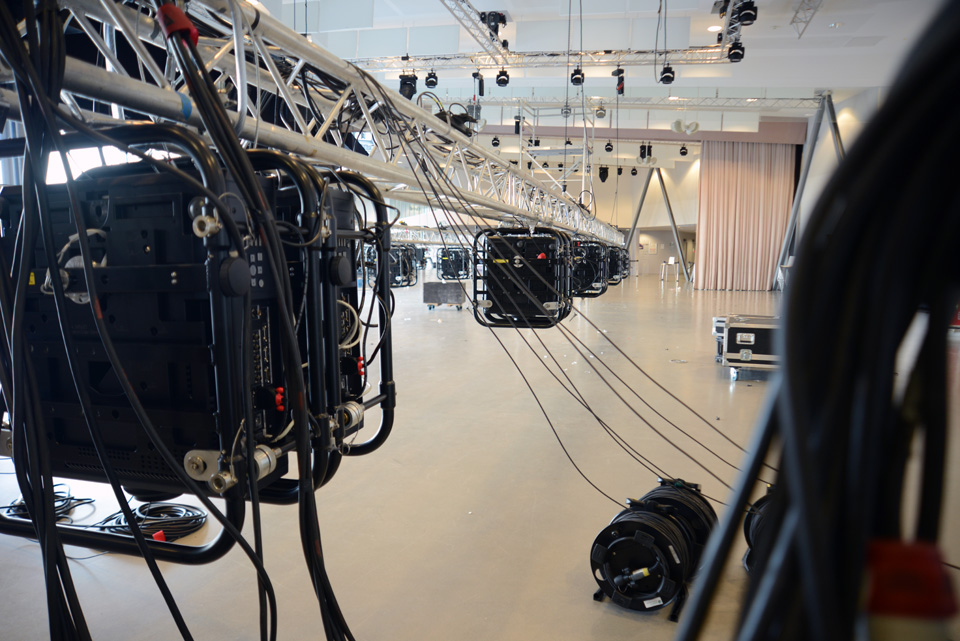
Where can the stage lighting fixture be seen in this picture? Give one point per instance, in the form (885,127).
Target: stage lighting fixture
(601,112)
(608,147)
(576,78)
(667,76)
(735,52)
(633,172)
(568,142)
(546,165)
(408,85)
(683,150)
(431,80)
(618,74)
(479,78)
(495,142)
(619,171)
(604,172)
(503,78)
(643,151)
(748,13)
(649,150)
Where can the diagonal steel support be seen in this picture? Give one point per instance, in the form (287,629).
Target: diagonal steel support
(835,128)
(673,226)
(808,150)
(636,216)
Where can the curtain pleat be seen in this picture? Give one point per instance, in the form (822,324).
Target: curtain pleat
(746,190)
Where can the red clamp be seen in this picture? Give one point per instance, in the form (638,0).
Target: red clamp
(541,256)
(360,369)
(173,20)
(279,400)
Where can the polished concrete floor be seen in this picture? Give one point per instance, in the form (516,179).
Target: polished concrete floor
(470,523)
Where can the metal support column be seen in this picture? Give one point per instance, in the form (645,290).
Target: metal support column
(636,216)
(673,226)
(835,129)
(808,150)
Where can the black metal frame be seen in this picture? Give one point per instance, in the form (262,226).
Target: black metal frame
(521,278)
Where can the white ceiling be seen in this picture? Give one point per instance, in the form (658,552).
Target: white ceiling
(849,45)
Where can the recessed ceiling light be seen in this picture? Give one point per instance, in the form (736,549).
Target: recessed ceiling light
(714,28)
(674,98)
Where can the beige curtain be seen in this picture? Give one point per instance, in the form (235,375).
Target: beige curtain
(746,190)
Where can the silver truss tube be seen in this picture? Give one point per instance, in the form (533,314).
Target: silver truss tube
(133,37)
(241,66)
(673,226)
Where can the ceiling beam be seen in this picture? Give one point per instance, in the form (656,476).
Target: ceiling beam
(712,54)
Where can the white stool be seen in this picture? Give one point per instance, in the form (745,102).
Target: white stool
(665,268)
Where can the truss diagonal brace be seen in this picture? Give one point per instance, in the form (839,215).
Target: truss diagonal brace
(469,18)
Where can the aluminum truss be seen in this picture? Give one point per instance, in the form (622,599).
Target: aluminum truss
(536,103)
(428,236)
(713,54)
(804,14)
(426,161)
(469,18)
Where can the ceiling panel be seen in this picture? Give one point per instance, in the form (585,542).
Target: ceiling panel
(382,42)
(427,40)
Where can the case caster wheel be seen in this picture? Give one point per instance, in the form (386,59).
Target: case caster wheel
(734,373)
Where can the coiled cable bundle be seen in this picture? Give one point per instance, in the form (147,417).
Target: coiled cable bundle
(756,527)
(644,558)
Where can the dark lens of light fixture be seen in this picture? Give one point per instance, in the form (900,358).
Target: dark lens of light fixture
(619,171)
(735,52)
(608,147)
(748,13)
(633,172)
(495,142)
(683,150)
(546,165)
(667,76)
(408,85)
(431,80)
(576,78)
(503,78)
(604,172)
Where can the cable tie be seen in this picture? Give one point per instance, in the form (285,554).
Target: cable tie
(173,20)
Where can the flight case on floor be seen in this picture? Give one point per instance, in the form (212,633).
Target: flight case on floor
(747,342)
(443,293)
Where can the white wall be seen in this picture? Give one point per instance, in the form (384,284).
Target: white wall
(852,115)
(617,203)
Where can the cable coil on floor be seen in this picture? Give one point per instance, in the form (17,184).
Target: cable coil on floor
(644,558)
(756,528)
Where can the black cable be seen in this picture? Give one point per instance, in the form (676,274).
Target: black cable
(428,178)
(174,520)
